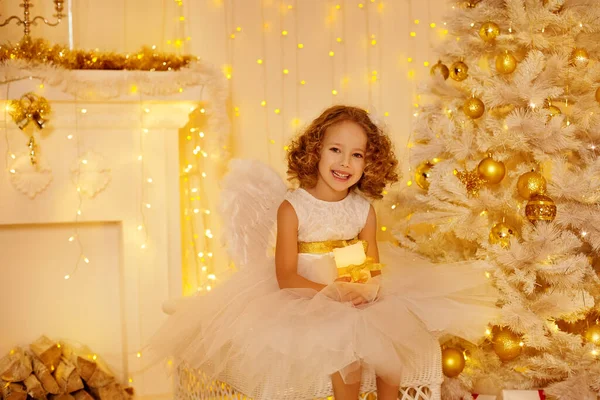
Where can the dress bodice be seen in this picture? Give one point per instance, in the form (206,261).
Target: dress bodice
(320,220)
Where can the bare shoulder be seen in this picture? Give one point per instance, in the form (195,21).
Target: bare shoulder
(286,213)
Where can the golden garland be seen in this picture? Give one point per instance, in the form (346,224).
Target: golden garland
(43,52)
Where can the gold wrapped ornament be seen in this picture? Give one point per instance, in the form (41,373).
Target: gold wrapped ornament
(540,208)
(459,71)
(474,107)
(531,183)
(507,345)
(501,234)
(580,57)
(491,170)
(440,69)
(489,31)
(453,362)
(472,181)
(422,174)
(592,334)
(506,63)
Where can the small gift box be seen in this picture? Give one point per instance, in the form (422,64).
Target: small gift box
(351,261)
(523,395)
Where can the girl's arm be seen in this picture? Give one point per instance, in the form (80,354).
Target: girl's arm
(369,234)
(286,251)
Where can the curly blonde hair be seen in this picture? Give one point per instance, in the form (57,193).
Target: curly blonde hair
(380,162)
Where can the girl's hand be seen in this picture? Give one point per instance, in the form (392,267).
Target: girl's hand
(347,292)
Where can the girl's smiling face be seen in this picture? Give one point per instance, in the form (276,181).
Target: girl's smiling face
(342,160)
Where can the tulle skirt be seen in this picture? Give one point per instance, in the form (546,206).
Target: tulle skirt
(298,336)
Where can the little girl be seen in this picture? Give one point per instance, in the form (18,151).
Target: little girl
(320,312)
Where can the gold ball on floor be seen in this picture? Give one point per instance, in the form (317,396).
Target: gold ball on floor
(501,234)
(540,208)
(506,63)
(453,362)
(440,69)
(531,183)
(422,174)
(507,345)
(459,71)
(489,31)
(491,170)
(474,107)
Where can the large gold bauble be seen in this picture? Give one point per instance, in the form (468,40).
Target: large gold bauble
(491,170)
(598,94)
(506,63)
(501,234)
(440,69)
(507,345)
(592,334)
(580,57)
(453,362)
(459,71)
(474,107)
(422,174)
(489,31)
(531,183)
(540,208)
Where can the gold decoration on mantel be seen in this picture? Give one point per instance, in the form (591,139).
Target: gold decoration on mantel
(40,51)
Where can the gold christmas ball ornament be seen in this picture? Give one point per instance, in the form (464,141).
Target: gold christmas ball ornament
(459,71)
(507,345)
(501,234)
(506,63)
(489,31)
(453,362)
(531,183)
(540,208)
(598,94)
(553,111)
(491,170)
(592,334)
(422,174)
(474,107)
(580,57)
(441,70)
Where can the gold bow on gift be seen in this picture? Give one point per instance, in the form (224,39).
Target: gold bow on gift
(350,257)
(360,273)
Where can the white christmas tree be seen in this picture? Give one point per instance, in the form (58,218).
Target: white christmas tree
(505,167)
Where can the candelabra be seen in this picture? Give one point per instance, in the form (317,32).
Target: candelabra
(27,21)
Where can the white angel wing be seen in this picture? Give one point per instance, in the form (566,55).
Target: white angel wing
(250,196)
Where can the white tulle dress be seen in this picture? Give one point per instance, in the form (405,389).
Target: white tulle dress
(250,328)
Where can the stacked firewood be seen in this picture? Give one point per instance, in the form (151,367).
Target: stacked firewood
(51,371)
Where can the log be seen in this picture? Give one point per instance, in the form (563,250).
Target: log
(35,388)
(63,396)
(16,366)
(45,377)
(82,395)
(13,391)
(93,373)
(67,377)
(112,391)
(47,351)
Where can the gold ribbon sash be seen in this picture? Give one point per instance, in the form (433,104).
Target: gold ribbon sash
(358,273)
